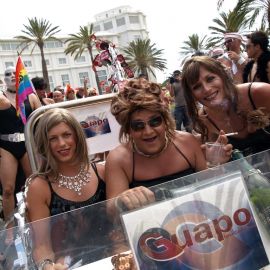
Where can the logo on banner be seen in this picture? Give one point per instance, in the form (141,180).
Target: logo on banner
(95,125)
(198,235)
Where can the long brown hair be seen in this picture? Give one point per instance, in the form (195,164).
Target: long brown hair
(140,94)
(191,74)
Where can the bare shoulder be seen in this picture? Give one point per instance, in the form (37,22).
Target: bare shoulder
(184,136)
(260,93)
(48,101)
(33,96)
(3,99)
(38,186)
(187,141)
(121,153)
(255,86)
(34,101)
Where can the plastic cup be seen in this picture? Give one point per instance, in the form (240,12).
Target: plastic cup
(214,154)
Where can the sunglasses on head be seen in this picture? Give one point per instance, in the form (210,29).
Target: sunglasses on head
(137,125)
(228,41)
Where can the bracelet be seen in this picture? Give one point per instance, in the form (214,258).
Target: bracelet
(44,262)
(241,60)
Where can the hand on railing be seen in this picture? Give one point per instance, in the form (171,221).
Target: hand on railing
(134,198)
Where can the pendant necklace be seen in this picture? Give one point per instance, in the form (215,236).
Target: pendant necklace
(136,150)
(74,182)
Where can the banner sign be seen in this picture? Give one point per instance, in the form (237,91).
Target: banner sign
(212,228)
(100,126)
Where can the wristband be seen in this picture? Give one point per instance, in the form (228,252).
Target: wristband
(241,60)
(44,262)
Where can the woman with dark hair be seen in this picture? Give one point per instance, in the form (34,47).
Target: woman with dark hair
(40,86)
(65,180)
(151,151)
(242,110)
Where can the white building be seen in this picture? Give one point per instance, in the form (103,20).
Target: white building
(128,23)
(120,26)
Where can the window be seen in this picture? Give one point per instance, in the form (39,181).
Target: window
(108,25)
(65,79)
(51,82)
(82,76)
(47,62)
(15,46)
(102,75)
(120,21)
(133,19)
(81,59)
(53,44)
(62,61)
(9,64)
(96,28)
(27,63)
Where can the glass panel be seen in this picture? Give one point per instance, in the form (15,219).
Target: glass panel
(92,235)
(133,19)
(65,79)
(62,61)
(120,21)
(108,25)
(82,77)
(96,28)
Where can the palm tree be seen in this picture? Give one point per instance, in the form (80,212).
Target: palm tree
(232,21)
(194,45)
(37,32)
(78,43)
(143,57)
(257,8)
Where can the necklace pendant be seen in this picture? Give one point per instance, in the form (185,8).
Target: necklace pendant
(74,182)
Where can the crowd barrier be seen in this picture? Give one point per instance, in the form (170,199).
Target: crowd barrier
(101,128)
(215,219)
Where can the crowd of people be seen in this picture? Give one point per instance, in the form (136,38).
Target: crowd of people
(213,95)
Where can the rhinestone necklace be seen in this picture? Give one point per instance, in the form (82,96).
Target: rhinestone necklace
(136,150)
(74,182)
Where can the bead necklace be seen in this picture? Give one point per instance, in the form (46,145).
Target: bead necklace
(136,150)
(74,182)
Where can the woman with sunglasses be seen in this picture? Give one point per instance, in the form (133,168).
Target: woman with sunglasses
(151,151)
(242,110)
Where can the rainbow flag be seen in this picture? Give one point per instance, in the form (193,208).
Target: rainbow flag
(24,88)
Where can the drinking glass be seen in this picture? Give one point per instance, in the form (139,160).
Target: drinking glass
(214,154)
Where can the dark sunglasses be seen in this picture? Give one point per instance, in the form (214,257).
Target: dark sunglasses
(228,41)
(7,74)
(140,125)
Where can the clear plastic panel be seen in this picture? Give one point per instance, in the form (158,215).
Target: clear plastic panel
(92,235)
